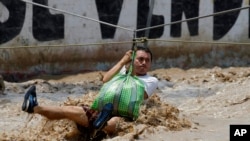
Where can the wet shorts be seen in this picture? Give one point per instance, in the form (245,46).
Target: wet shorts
(91,114)
(87,132)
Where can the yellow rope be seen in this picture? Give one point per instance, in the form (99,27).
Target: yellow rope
(204,42)
(137,40)
(77,45)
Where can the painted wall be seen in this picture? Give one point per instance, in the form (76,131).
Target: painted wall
(35,40)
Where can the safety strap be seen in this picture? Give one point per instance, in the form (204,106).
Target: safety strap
(134,48)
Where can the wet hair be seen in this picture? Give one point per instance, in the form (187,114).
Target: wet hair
(146,49)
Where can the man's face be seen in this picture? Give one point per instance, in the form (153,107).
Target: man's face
(142,62)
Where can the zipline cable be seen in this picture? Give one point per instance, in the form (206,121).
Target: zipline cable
(147,28)
(195,18)
(80,16)
(141,40)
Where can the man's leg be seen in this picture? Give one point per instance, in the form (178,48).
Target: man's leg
(112,125)
(74,113)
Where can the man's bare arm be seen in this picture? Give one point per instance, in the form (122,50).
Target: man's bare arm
(117,67)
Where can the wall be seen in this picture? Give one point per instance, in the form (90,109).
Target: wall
(35,40)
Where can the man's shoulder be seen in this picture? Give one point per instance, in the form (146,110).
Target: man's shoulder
(149,78)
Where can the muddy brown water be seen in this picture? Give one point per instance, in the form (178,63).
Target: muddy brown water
(180,92)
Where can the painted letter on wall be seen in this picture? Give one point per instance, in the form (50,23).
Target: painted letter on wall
(142,17)
(108,11)
(13,26)
(47,27)
(223,23)
(191,10)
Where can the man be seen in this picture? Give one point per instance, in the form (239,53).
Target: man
(83,115)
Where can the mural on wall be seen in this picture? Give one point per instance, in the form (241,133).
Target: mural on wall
(108,11)
(17,19)
(142,17)
(13,26)
(223,23)
(48,27)
(190,10)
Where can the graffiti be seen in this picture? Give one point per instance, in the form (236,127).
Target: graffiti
(142,10)
(12,27)
(48,27)
(223,23)
(108,11)
(190,9)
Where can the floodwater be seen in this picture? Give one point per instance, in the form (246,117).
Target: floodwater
(186,102)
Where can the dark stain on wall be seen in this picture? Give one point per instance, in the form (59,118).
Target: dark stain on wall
(31,62)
